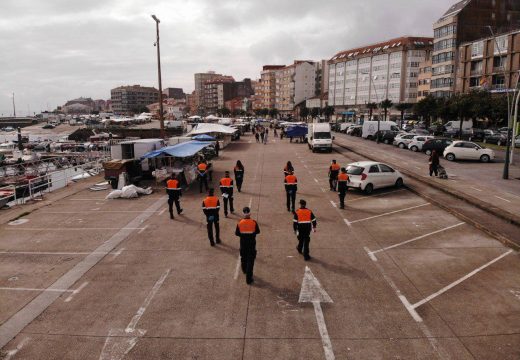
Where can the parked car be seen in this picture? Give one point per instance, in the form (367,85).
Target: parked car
(48,126)
(437,144)
(466,150)
(420,132)
(497,138)
(352,128)
(386,136)
(356,131)
(402,140)
(369,175)
(418,141)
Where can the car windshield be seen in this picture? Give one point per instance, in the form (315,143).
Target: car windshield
(354,170)
(322,135)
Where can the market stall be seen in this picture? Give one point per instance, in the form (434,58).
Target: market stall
(221,132)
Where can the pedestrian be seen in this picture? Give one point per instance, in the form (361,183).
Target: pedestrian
(343,181)
(217,147)
(239,175)
(304,223)
(262,134)
(209,170)
(275,133)
(288,167)
(333,175)
(291,187)
(211,208)
(174,191)
(282,133)
(247,229)
(266,135)
(226,188)
(202,175)
(434,163)
(257,136)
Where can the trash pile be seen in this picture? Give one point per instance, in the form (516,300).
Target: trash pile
(129,192)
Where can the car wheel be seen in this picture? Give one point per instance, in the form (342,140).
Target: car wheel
(369,189)
(370,137)
(414,148)
(313,150)
(428,152)
(450,157)
(399,183)
(401,146)
(386,141)
(485,158)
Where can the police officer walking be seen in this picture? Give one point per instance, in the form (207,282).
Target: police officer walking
(174,191)
(211,208)
(247,229)
(226,188)
(333,175)
(202,174)
(291,187)
(304,223)
(343,180)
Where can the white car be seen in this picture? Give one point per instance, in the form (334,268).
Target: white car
(418,141)
(369,175)
(402,140)
(466,150)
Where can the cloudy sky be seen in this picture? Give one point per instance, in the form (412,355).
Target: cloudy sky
(55,50)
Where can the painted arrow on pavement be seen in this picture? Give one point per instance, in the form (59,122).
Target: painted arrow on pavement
(313,292)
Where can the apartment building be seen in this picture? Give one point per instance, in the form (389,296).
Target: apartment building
(424,79)
(216,92)
(267,89)
(492,63)
(372,73)
(174,93)
(131,99)
(466,21)
(294,84)
(200,80)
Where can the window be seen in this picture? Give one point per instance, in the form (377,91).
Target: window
(373,169)
(477,49)
(469,145)
(354,170)
(444,44)
(501,44)
(459,145)
(385,168)
(445,30)
(474,81)
(499,63)
(442,57)
(476,67)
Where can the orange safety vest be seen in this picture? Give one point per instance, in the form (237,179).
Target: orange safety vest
(343,177)
(247,226)
(226,182)
(335,167)
(210,203)
(304,216)
(202,167)
(291,180)
(172,184)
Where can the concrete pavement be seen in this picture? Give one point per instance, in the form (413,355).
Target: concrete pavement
(409,284)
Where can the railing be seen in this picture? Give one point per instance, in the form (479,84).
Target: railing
(10,195)
(499,68)
(476,72)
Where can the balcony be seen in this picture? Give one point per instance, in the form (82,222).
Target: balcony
(476,72)
(499,69)
(498,86)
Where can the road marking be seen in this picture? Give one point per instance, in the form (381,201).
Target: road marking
(71,296)
(333,204)
(72,229)
(410,308)
(118,343)
(142,229)
(19,347)
(501,198)
(347,222)
(370,254)
(375,195)
(417,167)
(237,269)
(455,283)
(52,253)
(18,222)
(16,323)
(162,211)
(35,289)
(389,213)
(104,211)
(118,252)
(250,202)
(417,238)
(317,182)
(312,292)
(474,188)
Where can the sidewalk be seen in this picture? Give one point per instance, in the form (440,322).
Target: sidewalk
(479,184)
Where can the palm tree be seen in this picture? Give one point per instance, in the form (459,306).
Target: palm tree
(371,107)
(402,107)
(386,104)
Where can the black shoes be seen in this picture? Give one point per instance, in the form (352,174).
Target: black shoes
(307,258)
(180,211)
(212,243)
(249,281)
(218,241)
(299,250)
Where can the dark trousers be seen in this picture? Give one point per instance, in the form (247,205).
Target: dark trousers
(210,230)
(177,205)
(342,193)
(434,169)
(303,244)
(333,182)
(291,199)
(231,208)
(248,256)
(203,180)
(239,182)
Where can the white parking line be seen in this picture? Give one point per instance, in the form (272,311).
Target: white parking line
(35,289)
(333,204)
(237,269)
(455,283)
(143,229)
(69,229)
(501,198)
(347,222)
(19,347)
(162,211)
(317,182)
(474,188)
(389,213)
(97,211)
(71,296)
(375,195)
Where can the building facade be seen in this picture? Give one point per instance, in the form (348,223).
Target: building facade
(387,70)
(174,93)
(216,92)
(492,63)
(466,21)
(200,80)
(267,87)
(294,84)
(424,79)
(132,99)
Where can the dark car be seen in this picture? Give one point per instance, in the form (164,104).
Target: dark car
(385,136)
(497,138)
(357,131)
(437,144)
(48,126)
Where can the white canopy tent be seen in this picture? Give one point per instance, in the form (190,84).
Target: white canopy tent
(222,132)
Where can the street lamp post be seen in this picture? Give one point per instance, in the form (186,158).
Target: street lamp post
(161,117)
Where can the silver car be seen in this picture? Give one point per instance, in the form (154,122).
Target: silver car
(418,141)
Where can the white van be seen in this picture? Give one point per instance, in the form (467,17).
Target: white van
(370,128)
(455,125)
(319,137)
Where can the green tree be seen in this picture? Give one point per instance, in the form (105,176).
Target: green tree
(426,108)
(304,112)
(402,107)
(371,106)
(273,113)
(328,111)
(315,112)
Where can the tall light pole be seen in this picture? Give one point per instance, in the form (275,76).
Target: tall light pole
(14,107)
(161,117)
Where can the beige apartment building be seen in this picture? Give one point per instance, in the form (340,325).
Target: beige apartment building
(492,63)
(424,79)
(294,84)
(267,88)
(132,99)
(200,80)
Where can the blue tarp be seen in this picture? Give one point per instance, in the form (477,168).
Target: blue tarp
(181,150)
(296,131)
(204,137)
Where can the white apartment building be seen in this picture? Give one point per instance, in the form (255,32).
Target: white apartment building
(373,73)
(294,84)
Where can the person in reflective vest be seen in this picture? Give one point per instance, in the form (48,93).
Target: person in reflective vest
(174,191)
(239,175)
(202,175)
(343,181)
(333,175)
(211,208)
(247,229)
(226,188)
(304,223)
(291,187)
